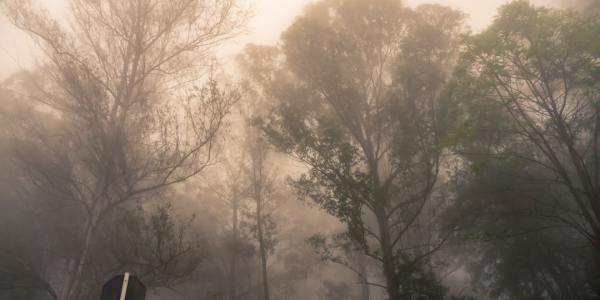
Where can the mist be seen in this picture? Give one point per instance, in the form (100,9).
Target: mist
(326,149)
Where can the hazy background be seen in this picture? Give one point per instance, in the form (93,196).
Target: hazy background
(270,18)
(209,196)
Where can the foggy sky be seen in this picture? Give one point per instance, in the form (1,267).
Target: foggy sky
(269,19)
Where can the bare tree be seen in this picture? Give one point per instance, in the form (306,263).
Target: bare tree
(262,177)
(261,185)
(110,80)
(229,186)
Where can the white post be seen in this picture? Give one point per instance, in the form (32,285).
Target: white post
(124,288)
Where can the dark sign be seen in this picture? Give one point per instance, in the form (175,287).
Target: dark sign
(113,289)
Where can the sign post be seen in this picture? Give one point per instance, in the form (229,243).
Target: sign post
(123,287)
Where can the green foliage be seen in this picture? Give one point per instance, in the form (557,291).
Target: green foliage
(525,93)
(358,92)
(419,282)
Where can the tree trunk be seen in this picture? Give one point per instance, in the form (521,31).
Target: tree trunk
(234,250)
(263,250)
(75,268)
(364,277)
(387,252)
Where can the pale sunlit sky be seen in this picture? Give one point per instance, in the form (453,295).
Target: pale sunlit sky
(270,18)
